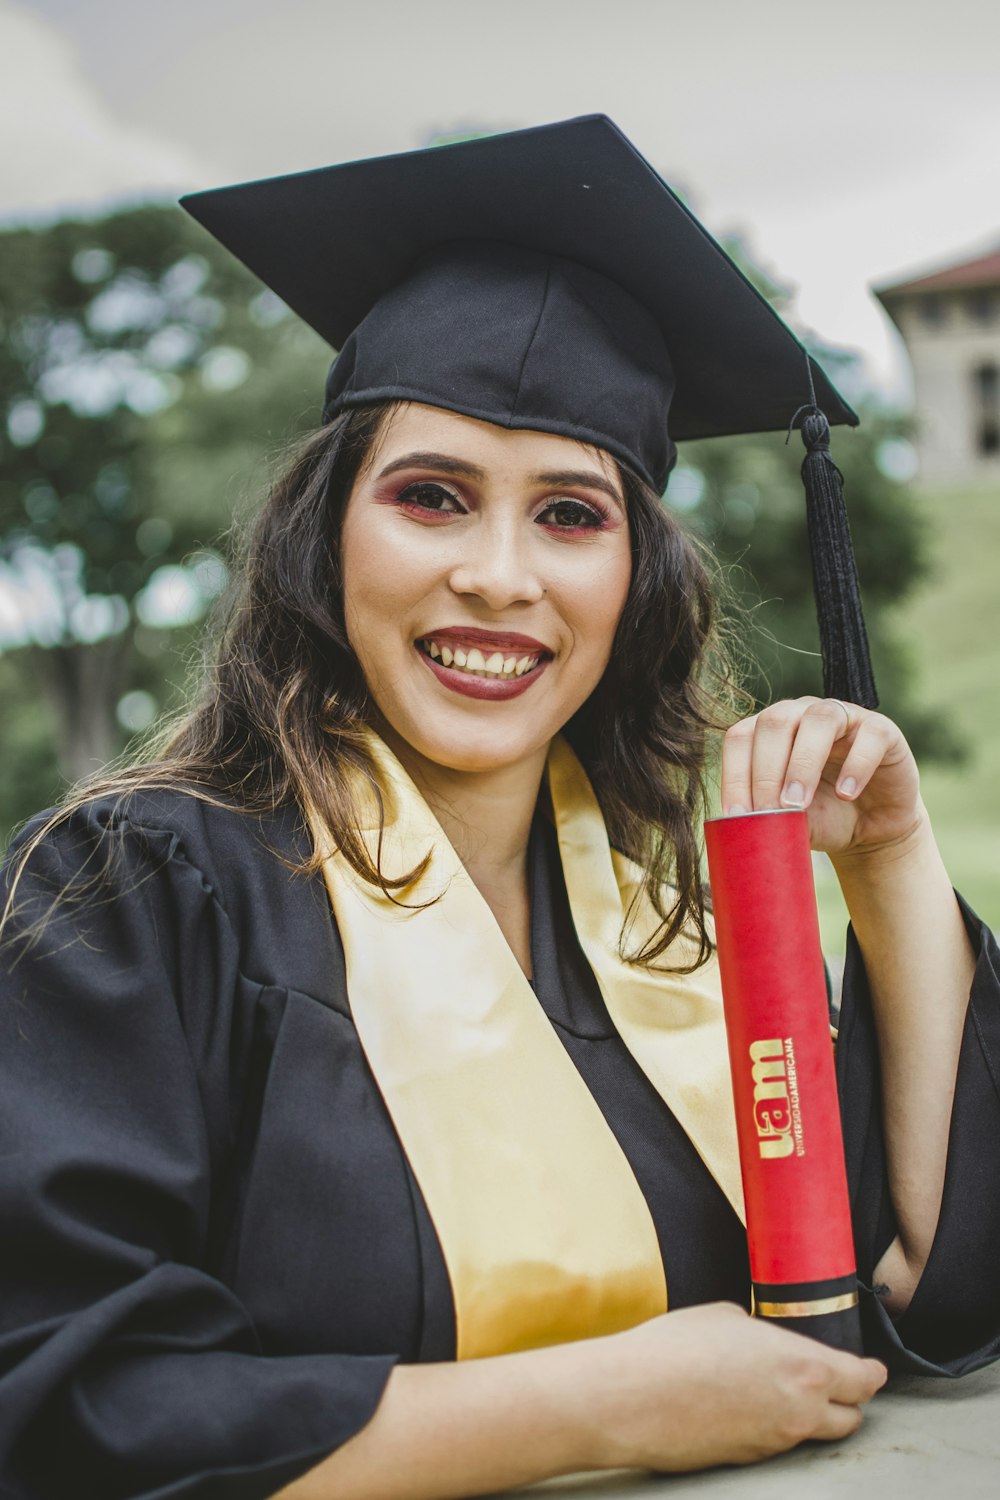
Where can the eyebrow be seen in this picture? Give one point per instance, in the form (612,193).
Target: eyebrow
(583,477)
(446,464)
(440,461)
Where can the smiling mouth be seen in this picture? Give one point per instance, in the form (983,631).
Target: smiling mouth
(471,661)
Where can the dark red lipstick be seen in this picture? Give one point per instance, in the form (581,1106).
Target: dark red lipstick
(496,689)
(507,641)
(473,684)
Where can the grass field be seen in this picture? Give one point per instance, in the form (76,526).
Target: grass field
(954,626)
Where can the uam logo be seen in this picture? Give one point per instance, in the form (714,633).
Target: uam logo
(772,1109)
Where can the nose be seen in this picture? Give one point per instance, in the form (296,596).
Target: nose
(496,565)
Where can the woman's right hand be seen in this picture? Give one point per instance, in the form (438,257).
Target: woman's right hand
(710,1385)
(688,1390)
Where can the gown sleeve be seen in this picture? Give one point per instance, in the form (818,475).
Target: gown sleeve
(127,1368)
(952,1325)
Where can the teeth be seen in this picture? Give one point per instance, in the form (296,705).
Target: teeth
(473,660)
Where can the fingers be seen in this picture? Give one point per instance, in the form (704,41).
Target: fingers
(853,1387)
(856,1380)
(839,1385)
(778,757)
(759,759)
(838,1422)
(876,737)
(820,726)
(737,767)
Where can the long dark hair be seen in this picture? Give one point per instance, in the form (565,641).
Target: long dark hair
(283,709)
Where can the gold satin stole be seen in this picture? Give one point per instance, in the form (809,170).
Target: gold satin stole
(545,1233)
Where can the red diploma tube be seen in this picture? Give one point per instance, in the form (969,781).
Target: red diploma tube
(787,1114)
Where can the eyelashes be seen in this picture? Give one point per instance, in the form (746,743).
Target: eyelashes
(575,515)
(431,499)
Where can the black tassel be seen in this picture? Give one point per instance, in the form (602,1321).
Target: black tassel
(847,667)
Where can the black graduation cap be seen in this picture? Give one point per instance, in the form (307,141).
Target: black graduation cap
(548,279)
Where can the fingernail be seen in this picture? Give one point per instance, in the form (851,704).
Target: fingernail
(848,787)
(794,794)
(736,811)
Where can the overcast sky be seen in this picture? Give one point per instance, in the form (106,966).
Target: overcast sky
(851,143)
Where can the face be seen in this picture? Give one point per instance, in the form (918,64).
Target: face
(485,571)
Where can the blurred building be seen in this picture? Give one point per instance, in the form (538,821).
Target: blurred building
(950,323)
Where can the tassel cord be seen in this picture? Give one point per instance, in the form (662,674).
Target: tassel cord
(847,668)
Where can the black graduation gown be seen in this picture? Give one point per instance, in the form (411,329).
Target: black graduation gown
(212,1248)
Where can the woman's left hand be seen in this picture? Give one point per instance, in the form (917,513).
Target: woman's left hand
(854,772)
(849,766)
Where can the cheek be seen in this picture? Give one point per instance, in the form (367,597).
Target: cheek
(366,592)
(386,581)
(599,607)
(374,569)
(362,586)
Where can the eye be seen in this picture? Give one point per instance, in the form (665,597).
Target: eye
(425,495)
(572,515)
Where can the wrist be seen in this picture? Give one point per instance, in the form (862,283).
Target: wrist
(889,859)
(625,1375)
(589,1377)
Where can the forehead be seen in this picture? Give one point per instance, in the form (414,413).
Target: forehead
(415,428)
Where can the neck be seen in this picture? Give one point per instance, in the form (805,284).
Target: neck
(486,815)
(487,818)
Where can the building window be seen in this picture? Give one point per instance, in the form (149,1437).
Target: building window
(983,308)
(934,310)
(986,381)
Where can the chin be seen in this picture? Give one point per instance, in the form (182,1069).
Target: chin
(473,753)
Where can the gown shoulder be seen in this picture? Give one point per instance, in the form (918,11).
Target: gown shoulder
(127,967)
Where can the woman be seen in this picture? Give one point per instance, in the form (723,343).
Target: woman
(267,1172)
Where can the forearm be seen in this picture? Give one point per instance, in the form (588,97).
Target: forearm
(470,1428)
(703,1386)
(919,964)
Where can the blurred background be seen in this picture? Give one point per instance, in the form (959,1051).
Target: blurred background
(149,386)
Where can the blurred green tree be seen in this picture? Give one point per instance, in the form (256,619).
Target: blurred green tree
(144,377)
(744,496)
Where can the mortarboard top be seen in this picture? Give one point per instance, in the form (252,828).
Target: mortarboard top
(332,243)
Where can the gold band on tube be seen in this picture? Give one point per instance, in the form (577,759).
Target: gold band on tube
(806,1309)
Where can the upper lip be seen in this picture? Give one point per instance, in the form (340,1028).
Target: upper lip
(499,640)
